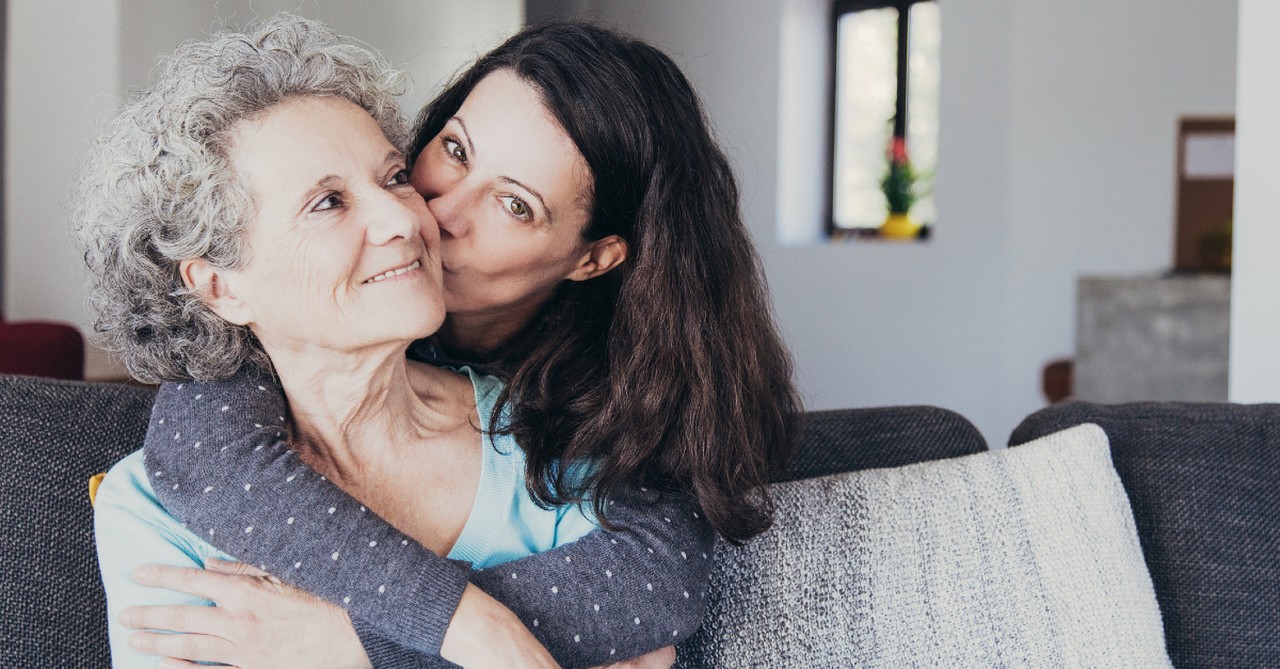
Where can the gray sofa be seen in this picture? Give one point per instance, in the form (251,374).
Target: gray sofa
(1203,481)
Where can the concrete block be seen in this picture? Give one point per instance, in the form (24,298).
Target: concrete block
(1152,338)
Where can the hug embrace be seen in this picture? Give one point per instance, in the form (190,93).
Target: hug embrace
(479,392)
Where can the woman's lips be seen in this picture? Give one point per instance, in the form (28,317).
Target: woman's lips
(393,273)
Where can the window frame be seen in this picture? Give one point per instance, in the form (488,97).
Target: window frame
(839,8)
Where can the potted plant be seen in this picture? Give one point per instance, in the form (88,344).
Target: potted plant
(899,185)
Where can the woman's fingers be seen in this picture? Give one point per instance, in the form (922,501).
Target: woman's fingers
(185,579)
(259,621)
(191,647)
(210,585)
(204,619)
(233,568)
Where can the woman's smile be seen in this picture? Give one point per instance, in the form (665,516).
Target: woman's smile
(404,272)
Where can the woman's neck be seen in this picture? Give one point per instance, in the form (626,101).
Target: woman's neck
(478,336)
(354,410)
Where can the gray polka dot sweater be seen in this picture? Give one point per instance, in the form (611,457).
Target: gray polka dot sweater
(603,598)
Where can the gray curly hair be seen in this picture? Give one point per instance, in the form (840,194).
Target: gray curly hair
(158,186)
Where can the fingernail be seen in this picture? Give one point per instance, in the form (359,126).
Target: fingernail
(145,573)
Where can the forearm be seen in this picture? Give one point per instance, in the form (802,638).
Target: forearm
(614,595)
(383,653)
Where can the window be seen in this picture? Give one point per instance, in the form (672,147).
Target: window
(886,56)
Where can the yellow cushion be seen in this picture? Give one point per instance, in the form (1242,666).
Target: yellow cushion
(94,482)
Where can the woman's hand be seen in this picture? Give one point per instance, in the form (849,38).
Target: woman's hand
(258,621)
(483,633)
(662,658)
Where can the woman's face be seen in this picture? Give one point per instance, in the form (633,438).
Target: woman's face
(343,253)
(512,195)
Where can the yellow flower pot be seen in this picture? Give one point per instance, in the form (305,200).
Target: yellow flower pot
(899,226)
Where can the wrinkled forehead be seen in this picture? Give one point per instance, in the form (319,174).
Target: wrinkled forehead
(302,143)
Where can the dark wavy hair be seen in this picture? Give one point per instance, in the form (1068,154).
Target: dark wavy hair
(667,371)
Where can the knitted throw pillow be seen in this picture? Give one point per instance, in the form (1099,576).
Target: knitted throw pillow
(1025,557)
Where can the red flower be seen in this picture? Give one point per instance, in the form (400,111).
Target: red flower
(898,151)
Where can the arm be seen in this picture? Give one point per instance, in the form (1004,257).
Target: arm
(616,594)
(132,530)
(266,507)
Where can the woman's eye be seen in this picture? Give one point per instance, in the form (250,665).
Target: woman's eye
(330,201)
(455,150)
(517,207)
(400,178)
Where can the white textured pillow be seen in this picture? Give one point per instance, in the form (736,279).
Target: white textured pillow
(1025,557)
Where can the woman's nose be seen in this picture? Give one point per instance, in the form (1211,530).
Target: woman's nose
(451,211)
(445,191)
(396,216)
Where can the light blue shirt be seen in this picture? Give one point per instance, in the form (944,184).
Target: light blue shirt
(132,528)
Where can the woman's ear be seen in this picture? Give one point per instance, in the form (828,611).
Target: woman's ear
(214,288)
(602,256)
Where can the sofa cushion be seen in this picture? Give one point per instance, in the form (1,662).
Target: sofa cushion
(54,435)
(1204,481)
(1022,557)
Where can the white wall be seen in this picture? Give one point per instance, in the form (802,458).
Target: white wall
(1056,158)
(61,75)
(1255,300)
(69,65)
(429,39)
(1097,88)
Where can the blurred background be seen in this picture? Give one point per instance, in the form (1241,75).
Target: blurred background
(1059,162)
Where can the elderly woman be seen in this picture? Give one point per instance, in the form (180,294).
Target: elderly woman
(251,215)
